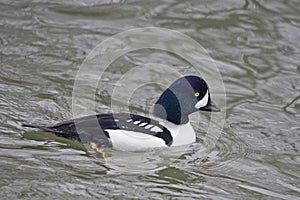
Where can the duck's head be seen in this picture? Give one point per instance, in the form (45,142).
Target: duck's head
(185,96)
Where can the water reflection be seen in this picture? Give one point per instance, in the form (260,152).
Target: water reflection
(255,47)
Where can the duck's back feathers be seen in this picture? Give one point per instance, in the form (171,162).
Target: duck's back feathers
(100,128)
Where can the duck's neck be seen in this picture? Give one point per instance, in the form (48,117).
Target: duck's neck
(169,109)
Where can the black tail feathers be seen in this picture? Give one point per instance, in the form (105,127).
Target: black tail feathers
(41,127)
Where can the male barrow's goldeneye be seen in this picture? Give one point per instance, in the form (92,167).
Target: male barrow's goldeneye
(130,132)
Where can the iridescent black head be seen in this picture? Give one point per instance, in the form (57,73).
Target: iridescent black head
(185,96)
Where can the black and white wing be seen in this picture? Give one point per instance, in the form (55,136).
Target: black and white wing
(106,130)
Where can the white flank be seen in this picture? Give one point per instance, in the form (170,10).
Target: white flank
(137,141)
(134,141)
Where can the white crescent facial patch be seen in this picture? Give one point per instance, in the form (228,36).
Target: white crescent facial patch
(203,102)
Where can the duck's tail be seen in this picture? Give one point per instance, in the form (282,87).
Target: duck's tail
(41,127)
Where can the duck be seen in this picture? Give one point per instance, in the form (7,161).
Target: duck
(169,126)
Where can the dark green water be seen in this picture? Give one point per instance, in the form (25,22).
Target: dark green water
(255,45)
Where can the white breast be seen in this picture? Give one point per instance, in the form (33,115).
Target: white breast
(182,134)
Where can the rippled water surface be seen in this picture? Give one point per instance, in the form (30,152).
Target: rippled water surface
(255,45)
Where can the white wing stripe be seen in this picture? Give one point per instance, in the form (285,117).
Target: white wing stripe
(143,124)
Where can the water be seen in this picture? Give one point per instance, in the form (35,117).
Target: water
(255,45)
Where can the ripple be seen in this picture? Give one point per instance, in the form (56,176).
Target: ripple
(293,107)
(255,46)
(227,153)
(261,66)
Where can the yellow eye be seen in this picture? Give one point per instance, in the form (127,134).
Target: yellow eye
(197,94)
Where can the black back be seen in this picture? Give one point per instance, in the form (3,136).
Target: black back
(94,128)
